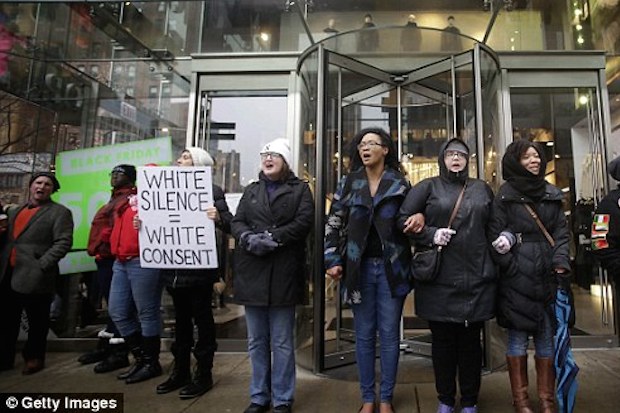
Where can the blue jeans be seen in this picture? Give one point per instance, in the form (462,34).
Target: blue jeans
(135,290)
(543,340)
(377,311)
(270,329)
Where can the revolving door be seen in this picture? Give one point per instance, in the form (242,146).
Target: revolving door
(437,98)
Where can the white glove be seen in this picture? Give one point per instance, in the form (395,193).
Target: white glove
(501,244)
(504,242)
(443,236)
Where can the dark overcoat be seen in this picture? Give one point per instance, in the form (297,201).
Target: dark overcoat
(45,240)
(277,278)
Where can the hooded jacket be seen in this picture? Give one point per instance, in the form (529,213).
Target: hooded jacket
(464,289)
(527,285)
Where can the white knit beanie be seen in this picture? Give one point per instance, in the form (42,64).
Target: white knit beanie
(200,157)
(279,146)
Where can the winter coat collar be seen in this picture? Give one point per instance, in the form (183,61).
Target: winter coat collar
(509,193)
(392,184)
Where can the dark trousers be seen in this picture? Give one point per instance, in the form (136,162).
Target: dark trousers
(37,308)
(104,280)
(192,305)
(456,350)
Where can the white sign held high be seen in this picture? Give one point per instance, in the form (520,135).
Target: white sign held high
(175,231)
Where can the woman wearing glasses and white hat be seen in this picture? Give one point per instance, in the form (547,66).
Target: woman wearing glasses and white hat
(273,219)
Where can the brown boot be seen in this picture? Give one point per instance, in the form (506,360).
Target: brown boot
(517,371)
(545,374)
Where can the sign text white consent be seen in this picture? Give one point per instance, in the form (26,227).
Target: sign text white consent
(175,231)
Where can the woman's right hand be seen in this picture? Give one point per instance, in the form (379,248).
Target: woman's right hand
(414,224)
(335,272)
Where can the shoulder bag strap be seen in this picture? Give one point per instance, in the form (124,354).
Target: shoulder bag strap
(457,205)
(540,224)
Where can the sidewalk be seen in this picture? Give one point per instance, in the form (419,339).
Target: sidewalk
(599,386)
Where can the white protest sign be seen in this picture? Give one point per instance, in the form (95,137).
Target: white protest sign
(175,231)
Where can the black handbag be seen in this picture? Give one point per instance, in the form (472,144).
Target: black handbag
(426,262)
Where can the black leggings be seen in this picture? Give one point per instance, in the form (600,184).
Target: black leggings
(457,349)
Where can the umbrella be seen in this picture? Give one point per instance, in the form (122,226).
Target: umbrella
(565,367)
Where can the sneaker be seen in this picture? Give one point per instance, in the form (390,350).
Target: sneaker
(444,408)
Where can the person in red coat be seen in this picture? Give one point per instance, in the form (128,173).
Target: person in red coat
(111,352)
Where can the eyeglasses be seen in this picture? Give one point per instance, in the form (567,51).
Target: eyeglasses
(273,155)
(369,144)
(452,154)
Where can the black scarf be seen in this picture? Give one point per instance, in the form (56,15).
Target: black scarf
(528,184)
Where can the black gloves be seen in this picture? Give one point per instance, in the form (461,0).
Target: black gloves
(258,244)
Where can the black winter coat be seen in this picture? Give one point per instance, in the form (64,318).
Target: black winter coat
(188,278)
(464,290)
(527,284)
(277,278)
(606,234)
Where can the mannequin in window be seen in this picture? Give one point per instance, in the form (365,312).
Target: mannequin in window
(368,37)
(410,37)
(331,27)
(450,38)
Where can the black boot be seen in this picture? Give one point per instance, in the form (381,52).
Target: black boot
(116,360)
(180,375)
(101,352)
(150,361)
(203,379)
(133,343)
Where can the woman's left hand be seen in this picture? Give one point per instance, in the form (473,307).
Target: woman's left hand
(414,224)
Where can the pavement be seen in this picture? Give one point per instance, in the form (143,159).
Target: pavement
(335,391)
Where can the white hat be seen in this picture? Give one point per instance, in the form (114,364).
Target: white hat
(200,157)
(281,147)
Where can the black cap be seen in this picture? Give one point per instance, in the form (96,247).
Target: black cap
(50,175)
(128,170)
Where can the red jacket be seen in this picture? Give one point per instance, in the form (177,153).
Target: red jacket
(124,239)
(101,227)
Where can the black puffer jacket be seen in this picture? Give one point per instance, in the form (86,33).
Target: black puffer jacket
(184,278)
(277,278)
(464,290)
(527,285)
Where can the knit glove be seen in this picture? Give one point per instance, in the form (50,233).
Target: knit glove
(504,242)
(261,244)
(443,236)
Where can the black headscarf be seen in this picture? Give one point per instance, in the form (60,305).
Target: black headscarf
(461,176)
(613,168)
(530,185)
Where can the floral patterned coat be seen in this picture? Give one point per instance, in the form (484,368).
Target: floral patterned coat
(355,209)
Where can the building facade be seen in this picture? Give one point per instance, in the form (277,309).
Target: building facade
(231,75)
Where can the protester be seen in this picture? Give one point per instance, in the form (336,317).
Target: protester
(135,297)
(273,219)
(462,295)
(111,352)
(606,228)
(529,267)
(377,276)
(191,291)
(39,234)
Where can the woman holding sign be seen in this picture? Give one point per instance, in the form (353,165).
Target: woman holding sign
(273,219)
(191,291)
